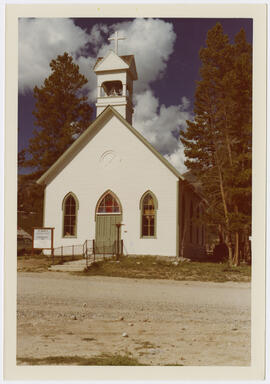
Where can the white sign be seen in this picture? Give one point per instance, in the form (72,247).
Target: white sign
(42,238)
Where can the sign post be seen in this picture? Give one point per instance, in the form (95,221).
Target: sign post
(42,238)
(118,226)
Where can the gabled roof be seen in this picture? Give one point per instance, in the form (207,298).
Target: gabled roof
(87,135)
(126,62)
(127,58)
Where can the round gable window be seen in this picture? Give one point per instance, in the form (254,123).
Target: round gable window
(109,159)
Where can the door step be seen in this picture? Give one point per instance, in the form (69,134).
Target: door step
(77,265)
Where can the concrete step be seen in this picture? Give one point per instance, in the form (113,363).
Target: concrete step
(76,265)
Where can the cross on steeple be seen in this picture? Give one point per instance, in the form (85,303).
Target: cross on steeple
(116,38)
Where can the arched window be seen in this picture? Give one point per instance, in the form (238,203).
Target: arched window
(108,204)
(70,207)
(148,207)
(190,222)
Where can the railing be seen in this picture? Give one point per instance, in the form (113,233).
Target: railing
(71,252)
(89,250)
(102,250)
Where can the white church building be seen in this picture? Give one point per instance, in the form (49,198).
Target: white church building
(112,184)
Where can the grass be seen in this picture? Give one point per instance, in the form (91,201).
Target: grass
(103,359)
(145,345)
(29,263)
(149,267)
(39,263)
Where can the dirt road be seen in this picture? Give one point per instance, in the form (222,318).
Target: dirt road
(166,322)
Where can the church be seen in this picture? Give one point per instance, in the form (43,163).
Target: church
(112,186)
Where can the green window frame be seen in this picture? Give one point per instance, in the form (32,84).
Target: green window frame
(148,208)
(70,208)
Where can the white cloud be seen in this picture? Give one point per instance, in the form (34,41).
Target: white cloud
(150,40)
(96,36)
(161,126)
(177,158)
(40,41)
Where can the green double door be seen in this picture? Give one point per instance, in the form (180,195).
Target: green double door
(106,233)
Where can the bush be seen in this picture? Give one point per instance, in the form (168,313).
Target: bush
(220,253)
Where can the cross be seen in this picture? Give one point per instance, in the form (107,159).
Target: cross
(116,38)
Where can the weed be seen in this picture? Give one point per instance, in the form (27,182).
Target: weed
(150,267)
(144,345)
(103,359)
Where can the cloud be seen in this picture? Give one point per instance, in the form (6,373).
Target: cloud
(40,41)
(150,40)
(161,125)
(177,158)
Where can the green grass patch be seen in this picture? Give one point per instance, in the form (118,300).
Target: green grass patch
(40,263)
(103,359)
(150,267)
(37,263)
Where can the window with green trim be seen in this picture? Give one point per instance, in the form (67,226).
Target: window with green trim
(70,216)
(148,216)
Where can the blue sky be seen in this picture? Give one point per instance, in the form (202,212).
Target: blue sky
(167,58)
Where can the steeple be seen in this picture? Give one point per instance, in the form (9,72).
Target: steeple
(115,76)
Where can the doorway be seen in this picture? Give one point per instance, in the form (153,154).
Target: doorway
(108,215)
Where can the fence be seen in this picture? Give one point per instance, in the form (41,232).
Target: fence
(89,250)
(71,252)
(102,250)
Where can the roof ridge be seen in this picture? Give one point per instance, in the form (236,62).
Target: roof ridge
(91,127)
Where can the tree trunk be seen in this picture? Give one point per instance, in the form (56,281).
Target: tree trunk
(228,140)
(223,197)
(229,245)
(236,261)
(183,241)
(247,254)
(220,234)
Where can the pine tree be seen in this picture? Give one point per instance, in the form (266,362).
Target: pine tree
(239,87)
(61,114)
(217,143)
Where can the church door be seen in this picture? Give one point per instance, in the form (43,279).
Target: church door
(108,215)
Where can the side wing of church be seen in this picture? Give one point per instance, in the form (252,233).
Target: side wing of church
(112,185)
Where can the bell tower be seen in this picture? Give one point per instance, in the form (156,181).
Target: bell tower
(115,76)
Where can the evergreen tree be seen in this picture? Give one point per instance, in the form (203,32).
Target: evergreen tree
(61,114)
(30,203)
(238,87)
(218,141)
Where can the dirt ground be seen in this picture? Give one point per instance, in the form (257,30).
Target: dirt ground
(165,322)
